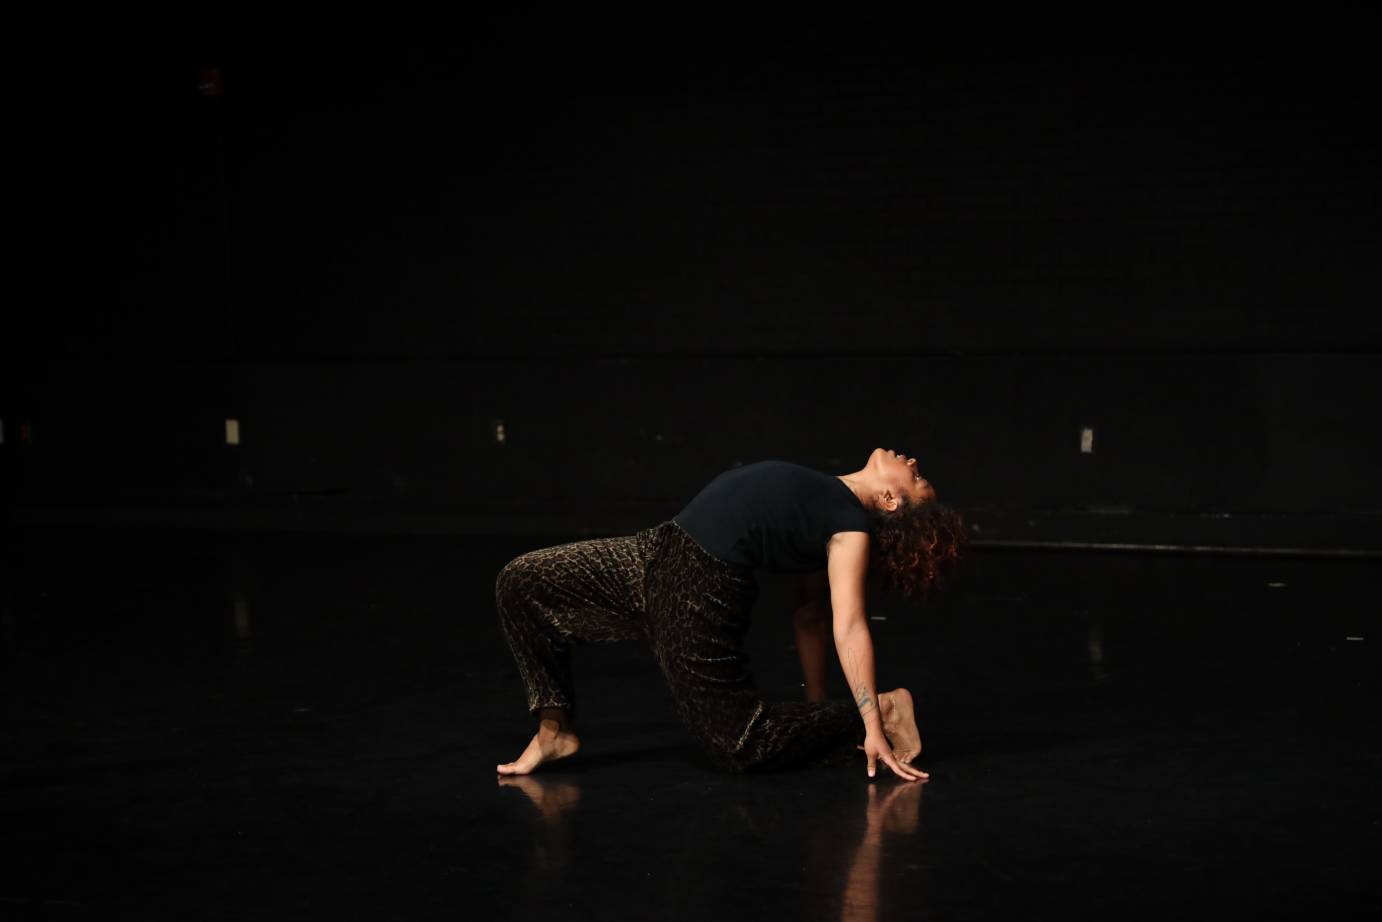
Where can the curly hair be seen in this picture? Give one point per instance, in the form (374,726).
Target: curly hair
(916,547)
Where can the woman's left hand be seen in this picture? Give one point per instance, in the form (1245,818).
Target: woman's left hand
(877,749)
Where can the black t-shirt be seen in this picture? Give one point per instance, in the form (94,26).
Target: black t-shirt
(772,515)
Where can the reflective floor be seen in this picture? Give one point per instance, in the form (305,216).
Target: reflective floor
(203,726)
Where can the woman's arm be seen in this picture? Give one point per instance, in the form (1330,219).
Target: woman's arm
(811,621)
(848,558)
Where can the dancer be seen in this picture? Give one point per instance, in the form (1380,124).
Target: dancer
(686,587)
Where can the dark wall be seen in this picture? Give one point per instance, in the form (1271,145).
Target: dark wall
(652,261)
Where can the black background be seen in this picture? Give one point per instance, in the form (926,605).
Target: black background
(654,253)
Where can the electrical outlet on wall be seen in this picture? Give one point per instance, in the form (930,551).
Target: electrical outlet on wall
(1087,440)
(232,432)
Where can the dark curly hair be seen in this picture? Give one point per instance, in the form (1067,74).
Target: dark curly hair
(915,548)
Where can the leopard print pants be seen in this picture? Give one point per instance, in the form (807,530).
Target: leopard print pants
(660,586)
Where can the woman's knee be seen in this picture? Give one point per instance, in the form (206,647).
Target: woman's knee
(725,762)
(721,733)
(740,760)
(511,579)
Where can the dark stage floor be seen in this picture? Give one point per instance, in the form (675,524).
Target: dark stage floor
(292,726)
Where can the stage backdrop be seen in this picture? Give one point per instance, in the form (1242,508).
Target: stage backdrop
(554,288)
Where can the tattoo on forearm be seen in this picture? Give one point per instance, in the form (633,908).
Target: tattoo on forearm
(863,699)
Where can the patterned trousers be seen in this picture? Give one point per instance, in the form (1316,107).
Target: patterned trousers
(660,586)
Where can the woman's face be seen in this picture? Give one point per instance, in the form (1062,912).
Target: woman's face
(899,473)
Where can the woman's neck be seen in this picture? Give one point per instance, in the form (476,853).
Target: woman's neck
(858,483)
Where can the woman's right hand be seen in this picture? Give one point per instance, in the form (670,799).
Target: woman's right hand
(877,749)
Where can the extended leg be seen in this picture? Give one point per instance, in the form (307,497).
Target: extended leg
(717,700)
(698,613)
(549,599)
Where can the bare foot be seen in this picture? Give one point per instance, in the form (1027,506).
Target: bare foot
(899,724)
(544,747)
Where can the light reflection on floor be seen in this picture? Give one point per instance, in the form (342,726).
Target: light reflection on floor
(239,726)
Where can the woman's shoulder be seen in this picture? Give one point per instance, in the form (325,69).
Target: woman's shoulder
(789,468)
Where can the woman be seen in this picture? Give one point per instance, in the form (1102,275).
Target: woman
(687,586)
